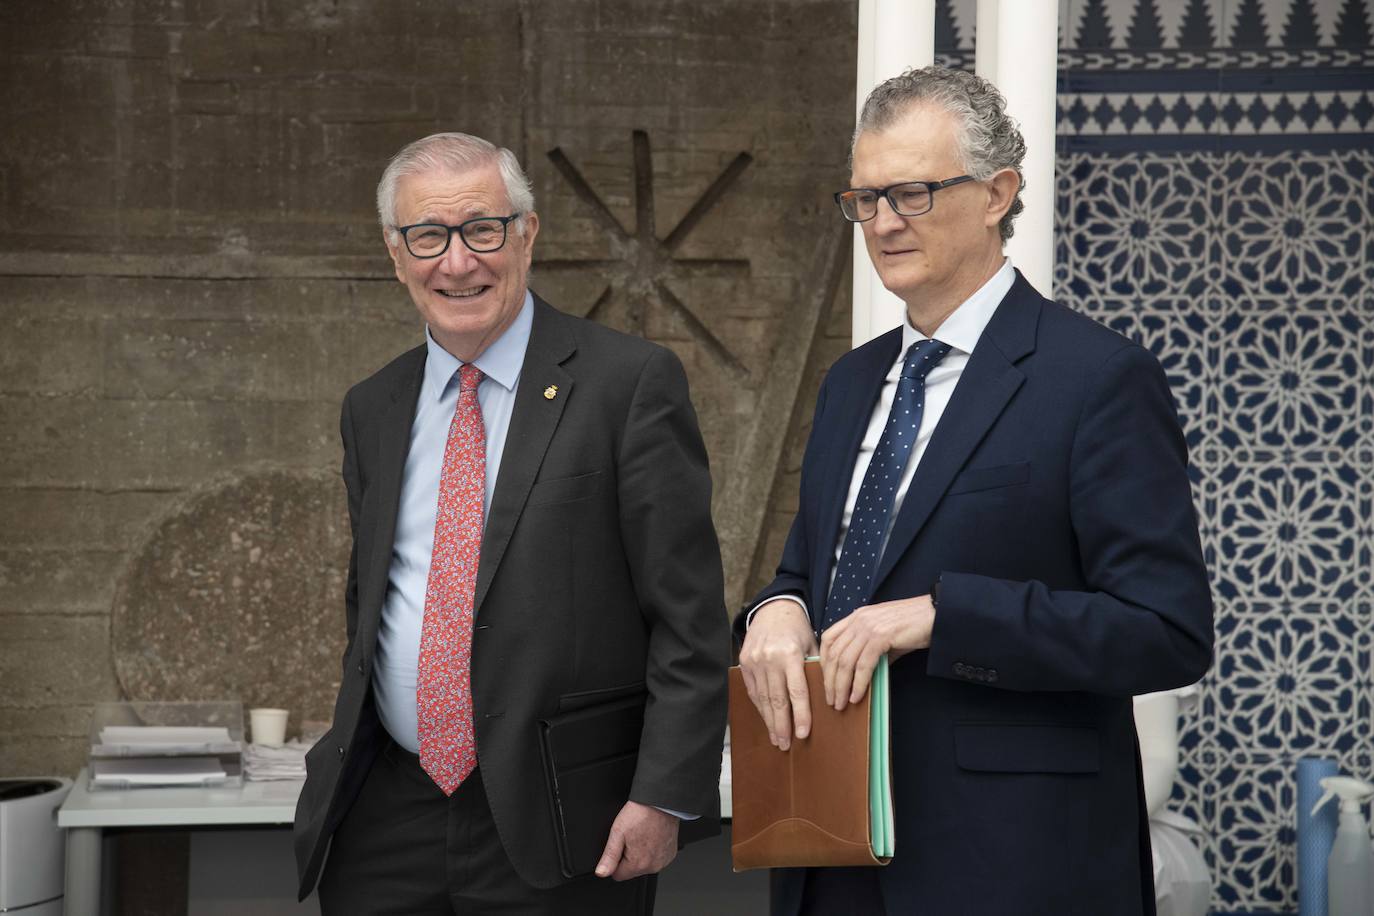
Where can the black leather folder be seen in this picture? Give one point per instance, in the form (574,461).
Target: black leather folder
(589,765)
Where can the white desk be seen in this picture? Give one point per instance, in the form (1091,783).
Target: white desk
(85,815)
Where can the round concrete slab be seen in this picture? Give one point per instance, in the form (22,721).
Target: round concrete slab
(238,594)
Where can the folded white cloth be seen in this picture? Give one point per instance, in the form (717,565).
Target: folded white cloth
(275,761)
(1183,886)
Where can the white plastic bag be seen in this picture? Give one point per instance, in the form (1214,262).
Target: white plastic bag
(1183,886)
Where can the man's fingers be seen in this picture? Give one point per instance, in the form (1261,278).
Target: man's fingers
(648,842)
(771,660)
(763,702)
(863,672)
(632,867)
(845,654)
(799,697)
(753,687)
(747,675)
(755,673)
(629,867)
(832,653)
(780,702)
(610,856)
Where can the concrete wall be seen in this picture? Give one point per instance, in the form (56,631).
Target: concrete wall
(191,275)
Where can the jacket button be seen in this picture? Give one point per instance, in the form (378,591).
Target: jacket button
(341,752)
(362,669)
(960,670)
(992,675)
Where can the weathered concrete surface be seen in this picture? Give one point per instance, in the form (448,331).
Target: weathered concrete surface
(191,277)
(235,595)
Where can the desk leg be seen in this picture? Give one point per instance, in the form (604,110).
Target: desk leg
(83,870)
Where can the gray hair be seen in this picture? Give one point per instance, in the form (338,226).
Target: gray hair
(988,139)
(456,153)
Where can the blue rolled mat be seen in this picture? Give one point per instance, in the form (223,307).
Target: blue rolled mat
(1316,833)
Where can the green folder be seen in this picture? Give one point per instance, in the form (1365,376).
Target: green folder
(879,766)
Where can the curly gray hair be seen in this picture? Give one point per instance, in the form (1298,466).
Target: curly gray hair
(989,139)
(457,153)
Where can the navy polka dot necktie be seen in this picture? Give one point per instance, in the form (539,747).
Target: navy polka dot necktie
(868,522)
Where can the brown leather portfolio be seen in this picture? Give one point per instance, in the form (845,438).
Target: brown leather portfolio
(811,805)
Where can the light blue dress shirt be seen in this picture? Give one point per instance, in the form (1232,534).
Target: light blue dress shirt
(397,654)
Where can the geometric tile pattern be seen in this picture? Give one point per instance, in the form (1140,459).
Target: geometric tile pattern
(1215,75)
(1236,114)
(1169,34)
(1249,275)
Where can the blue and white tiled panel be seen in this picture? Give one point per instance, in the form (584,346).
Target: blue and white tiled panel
(1250,277)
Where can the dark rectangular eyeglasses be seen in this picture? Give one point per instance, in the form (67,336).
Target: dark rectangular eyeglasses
(909,198)
(483,234)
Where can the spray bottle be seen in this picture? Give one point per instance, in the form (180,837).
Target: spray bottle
(1350,869)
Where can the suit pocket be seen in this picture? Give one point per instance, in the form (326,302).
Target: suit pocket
(570,702)
(1002,475)
(1014,748)
(564,489)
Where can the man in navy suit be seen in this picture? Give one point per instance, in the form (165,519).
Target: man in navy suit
(994,495)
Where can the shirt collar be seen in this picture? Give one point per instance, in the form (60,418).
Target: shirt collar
(965,324)
(499,362)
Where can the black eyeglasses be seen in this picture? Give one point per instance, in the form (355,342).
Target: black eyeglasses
(483,234)
(910,198)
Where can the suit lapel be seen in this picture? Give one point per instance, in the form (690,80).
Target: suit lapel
(393,445)
(987,384)
(838,470)
(533,421)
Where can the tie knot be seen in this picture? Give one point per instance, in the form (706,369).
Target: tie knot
(923,356)
(468,377)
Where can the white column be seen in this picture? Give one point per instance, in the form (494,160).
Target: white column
(894,35)
(1026,36)
(985,40)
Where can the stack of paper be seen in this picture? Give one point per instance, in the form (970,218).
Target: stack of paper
(163,739)
(154,743)
(156,771)
(269,761)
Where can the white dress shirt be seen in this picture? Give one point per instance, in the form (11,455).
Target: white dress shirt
(961,331)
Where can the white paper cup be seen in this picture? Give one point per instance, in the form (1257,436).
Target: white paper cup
(268,725)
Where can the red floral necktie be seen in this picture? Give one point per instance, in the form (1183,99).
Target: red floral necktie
(448,748)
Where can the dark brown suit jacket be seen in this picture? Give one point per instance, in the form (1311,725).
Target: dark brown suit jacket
(600,572)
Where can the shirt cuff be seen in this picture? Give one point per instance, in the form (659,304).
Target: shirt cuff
(793,598)
(678,814)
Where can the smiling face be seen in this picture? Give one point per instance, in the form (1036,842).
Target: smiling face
(938,259)
(467,298)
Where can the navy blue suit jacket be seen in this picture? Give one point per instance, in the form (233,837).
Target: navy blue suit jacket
(1053,507)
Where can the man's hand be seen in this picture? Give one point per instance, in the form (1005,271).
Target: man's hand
(778,641)
(643,841)
(850,649)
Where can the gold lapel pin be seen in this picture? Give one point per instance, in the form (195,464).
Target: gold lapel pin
(550,392)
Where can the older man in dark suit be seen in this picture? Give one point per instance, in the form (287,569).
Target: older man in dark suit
(530,502)
(994,495)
